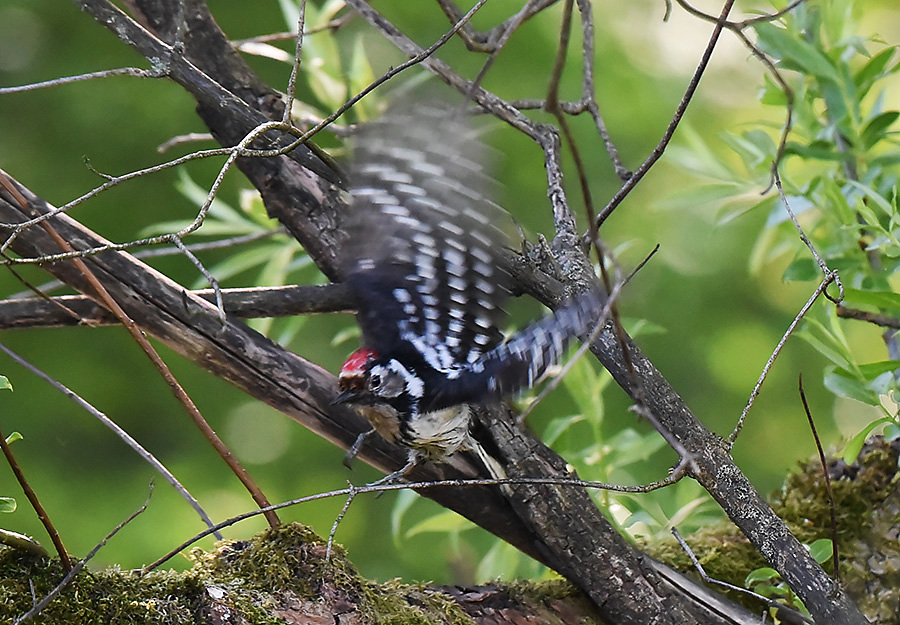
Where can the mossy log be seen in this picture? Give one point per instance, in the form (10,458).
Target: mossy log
(282,576)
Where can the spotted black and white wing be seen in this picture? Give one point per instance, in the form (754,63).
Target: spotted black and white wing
(424,256)
(523,359)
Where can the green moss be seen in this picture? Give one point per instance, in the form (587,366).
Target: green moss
(109,596)
(396,603)
(867,503)
(278,574)
(281,575)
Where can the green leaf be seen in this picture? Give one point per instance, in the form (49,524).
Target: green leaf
(360,76)
(844,384)
(246,260)
(344,335)
(328,12)
(585,385)
(198,196)
(798,204)
(828,341)
(873,196)
(876,129)
(871,371)
(405,500)
(755,147)
(891,432)
(641,328)
(880,300)
(802,270)
(290,11)
(12,438)
(837,22)
(7,504)
(819,150)
(889,159)
(875,69)
(785,46)
(772,94)
(855,444)
(557,427)
(763,574)
(501,561)
(630,446)
(442,523)
(821,550)
(5,383)
(838,107)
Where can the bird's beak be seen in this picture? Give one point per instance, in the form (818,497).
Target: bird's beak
(349,396)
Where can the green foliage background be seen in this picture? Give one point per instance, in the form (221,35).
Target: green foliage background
(722,305)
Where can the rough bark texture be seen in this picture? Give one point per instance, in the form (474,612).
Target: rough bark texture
(559,525)
(280,575)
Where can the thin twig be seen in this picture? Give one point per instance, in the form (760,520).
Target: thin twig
(771,361)
(488,41)
(830,276)
(209,92)
(508,29)
(588,89)
(122,434)
(43,289)
(379,488)
(241,150)
(190,137)
(210,279)
(559,60)
(17,228)
(885,321)
(354,491)
(831,506)
(812,249)
(333,25)
(159,364)
(738,29)
(295,67)
(121,71)
(660,148)
(552,106)
(709,580)
(36,504)
(767,17)
(74,571)
(246,303)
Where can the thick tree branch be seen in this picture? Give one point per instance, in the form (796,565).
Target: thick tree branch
(303,391)
(190,326)
(249,303)
(538,520)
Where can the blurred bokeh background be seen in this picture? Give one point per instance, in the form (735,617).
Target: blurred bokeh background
(713,314)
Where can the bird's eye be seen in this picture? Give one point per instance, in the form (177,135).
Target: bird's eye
(374,382)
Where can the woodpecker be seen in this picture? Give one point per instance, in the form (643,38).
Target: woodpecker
(425,259)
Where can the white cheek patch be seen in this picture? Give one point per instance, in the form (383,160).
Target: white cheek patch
(413,384)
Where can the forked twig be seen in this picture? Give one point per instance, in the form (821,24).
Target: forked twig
(160,365)
(380,488)
(75,570)
(660,148)
(710,580)
(830,276)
